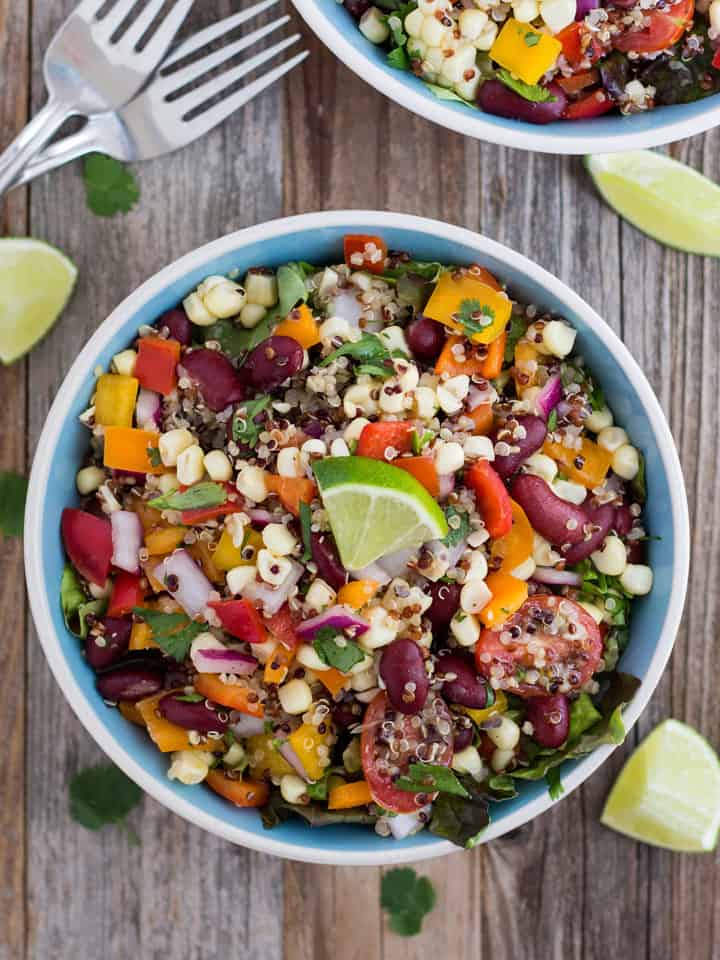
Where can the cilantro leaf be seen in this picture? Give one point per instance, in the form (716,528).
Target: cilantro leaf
(407,898)
(443,93)
(197,497)
(424,269)
(336,650)
(13,490)
(110,187)
(518,329)
(529,91)
(306,532)
(456,533)
(292,288)
(431,778)
(235,341)
(531,38)
(154,456)
(605,592)
(319,789)
(244,428)
(418,442)
(398,59)
(597,397)
(75,605)
(474,317)
(173,632)
(462,820)
(552,421)
(102,795)
(369,350)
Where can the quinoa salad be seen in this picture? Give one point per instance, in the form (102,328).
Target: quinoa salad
(546,60)
(358,543)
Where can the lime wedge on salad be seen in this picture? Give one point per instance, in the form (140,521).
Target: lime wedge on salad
(668,793)
(375,509)
(665,199)
(36,281)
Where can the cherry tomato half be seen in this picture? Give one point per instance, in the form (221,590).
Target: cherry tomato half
(592,105)
(557,662)
(664,28)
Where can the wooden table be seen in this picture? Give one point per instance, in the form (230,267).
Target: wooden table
(563,887)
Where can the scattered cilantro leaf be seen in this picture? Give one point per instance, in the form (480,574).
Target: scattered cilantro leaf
(190,698)
(605,592)
(75,605)
(407,898)
(110,187)
(419,442)
(461,820)
(518,329)
(529,91)
(424,269)
(456,533)
(103,795)
(398,59)
(443,93)
(431,778)
(597,397)
(552,421)
(244,428)
(336,650)
(154,456)
(197,497)
(554,783)
(13,491)
(306,532)
(368,351)
(531,39)
(319,789)
(473,316)
(292,288)
(375,370)
(173,632)
(236,341)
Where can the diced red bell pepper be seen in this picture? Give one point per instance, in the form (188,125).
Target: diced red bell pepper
(88,544)
(716,59)
(126,594)
(282,626)
(377,437)
(201,514)
(241,619)
(365,252)
(571,38)
(424,471)
(493,500)
(156,363)
(592,105)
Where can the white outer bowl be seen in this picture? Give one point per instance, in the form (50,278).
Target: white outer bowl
(42,530)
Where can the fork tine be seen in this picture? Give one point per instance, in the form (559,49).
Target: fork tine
(137,29)
(87,9)
(198,96)
(177,80)
(165,33)
(221,111)
(214,31)
(116,16)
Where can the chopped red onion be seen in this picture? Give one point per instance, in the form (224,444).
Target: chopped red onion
(446,483)
(226,660)
(556,578)
(293,759)
(337,617)
(127,538)
(395,564)
(147,410)
(373,571)
(549,397)
(477,397)
(191,588)
(260,518)
(243,725)
(404,824)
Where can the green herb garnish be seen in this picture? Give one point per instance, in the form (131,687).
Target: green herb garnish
(173,632)
(474,317)
(199,496)
(431,778)
(341,655)
(552,421)
(369,352)
(110,187)
(420,442)
(398,59)
(407,898)
(456,533)
(244,428)
(529,91)
(292,288)
(103,795)
(154,456)
(531,39)
(306,531)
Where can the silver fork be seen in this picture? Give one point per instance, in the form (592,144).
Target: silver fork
(91,67)
(152,124)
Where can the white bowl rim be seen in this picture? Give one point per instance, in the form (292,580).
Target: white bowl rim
(34,522)
(474,125)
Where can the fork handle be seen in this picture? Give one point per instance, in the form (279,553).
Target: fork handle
(69,148)
(30,141)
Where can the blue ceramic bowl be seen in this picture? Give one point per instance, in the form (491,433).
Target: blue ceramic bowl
(339,31)
(318,238)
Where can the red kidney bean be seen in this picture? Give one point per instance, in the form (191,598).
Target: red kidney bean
(130,682)
(468,688)
(623,521)
(445,601)
(550,717)
(602,518)
(346,713)
(494,97)
(356,8)
(636,551)
(191,716)
(535,432)
(426,338)
(402,669)
(215,377)
(114,643)
(554,518)
(326,559)
(462,734)
(177,325)
(272,362)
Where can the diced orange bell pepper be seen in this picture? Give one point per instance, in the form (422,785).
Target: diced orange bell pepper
(115,396)
(349,795)
(278,663)
(333,680)
(291,491)
(457,293)
(526,365)
(357,593)
(482,417)
(169,737)
(305,742)
(131,713)
(141,638)
(492,366)
(515,547)
(163,540)
(265,757)
(588,465)
(243,793)
(301,326)
(487,365)
(156,364)
(508,595)
(424,471)
(201,551)
(234,695)
(479,715)
(129,449)
(149,516)
(525,51)
(227,555)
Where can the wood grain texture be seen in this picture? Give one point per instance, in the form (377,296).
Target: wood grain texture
(562,887)
(14,23)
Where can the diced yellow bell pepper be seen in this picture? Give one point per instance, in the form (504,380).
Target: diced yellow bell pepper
(357,593)
(588,465)
(162,540)
(265,758)
(525,51)
(115,396)
(141,638)
(478,716)
(525,366)
(464,304)
(305,741)
(301,326)
(508,595)
(227,555)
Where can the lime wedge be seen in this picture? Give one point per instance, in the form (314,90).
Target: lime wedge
(668,793)
(36,281)
(665,199)
(375,509)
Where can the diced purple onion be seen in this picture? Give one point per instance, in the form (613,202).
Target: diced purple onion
(446,484)
(556,578)
(583,8)
(338,618)
(147,410)
(395,564)
(193,587)
(260,518)
(286,749)
(549,396)
(127,538)
(227,660)
(404,824)
(245,725)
